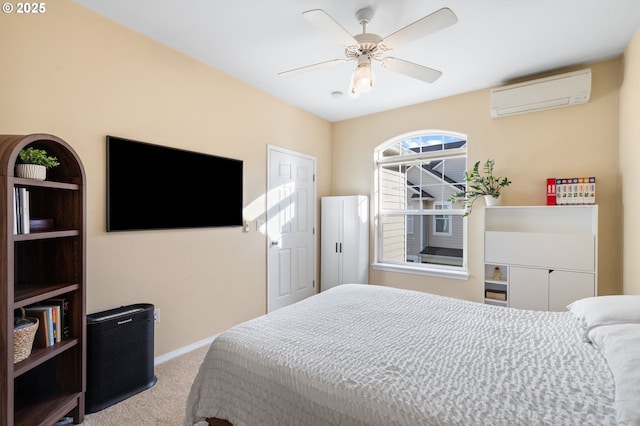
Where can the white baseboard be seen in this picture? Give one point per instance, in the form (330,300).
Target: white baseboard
(166,357)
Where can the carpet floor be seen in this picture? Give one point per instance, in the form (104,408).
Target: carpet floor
(161,405)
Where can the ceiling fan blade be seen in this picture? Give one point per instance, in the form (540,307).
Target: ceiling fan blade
(326,23)
(436,21)
(410,69)
(313,67)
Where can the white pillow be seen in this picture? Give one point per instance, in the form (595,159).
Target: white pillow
(607,310)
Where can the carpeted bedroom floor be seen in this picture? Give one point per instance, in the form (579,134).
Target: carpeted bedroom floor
(163,404)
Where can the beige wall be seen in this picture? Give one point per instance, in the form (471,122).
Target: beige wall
(576,141)
(629,168)
(79,76)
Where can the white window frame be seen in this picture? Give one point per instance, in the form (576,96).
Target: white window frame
(445,271)
(410,225)
(445,217)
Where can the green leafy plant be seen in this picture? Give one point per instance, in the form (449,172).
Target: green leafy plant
(479,184)
(32,155)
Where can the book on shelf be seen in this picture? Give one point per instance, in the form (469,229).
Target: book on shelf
(55,323)
(551,192)
(25,210)
(40,340)
(21,210)
(15,211)
(54,318)
(62,307)
(44,335)
(591,191)
(572,191)
(581,190)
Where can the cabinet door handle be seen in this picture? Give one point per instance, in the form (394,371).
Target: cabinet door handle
(340,247)
(336,247)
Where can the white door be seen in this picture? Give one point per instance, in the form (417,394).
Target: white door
(291,206)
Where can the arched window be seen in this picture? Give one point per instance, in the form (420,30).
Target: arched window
(415,176)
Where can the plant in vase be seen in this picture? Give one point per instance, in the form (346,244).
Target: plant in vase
(34,163)
(480,184)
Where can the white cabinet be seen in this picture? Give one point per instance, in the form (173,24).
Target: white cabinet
(566,287)
(547,255)
(528,288)
(548,289)
(344,241)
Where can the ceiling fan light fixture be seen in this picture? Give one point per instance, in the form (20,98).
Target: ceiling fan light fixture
(363,79)
(366,47)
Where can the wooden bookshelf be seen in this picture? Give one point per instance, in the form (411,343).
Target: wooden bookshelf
(37,266)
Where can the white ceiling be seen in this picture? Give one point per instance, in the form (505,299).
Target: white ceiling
(493,42)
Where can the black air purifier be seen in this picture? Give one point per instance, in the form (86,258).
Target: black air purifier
(119,355)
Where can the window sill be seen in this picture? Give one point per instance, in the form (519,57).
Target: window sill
(407,269)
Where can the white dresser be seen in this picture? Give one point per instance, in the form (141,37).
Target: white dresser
(547,255)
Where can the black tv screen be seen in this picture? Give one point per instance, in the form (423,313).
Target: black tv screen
(156,187)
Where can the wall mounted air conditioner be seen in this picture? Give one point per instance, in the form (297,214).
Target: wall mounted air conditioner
(557,91)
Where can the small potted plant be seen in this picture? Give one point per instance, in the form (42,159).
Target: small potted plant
(34,163)
(480,184)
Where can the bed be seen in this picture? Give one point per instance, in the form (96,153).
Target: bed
(373,355)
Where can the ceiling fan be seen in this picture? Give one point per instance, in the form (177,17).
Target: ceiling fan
(367,47)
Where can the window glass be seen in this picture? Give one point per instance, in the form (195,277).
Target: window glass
(441,222)
(415,176)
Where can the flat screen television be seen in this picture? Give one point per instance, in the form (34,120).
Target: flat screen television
(156,187)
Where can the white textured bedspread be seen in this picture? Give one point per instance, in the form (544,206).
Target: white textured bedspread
(372,355)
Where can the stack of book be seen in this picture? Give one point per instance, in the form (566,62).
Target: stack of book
(495,295)
(571,191)
(21,211)
(54,318)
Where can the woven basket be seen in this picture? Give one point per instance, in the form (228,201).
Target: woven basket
(23,334)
